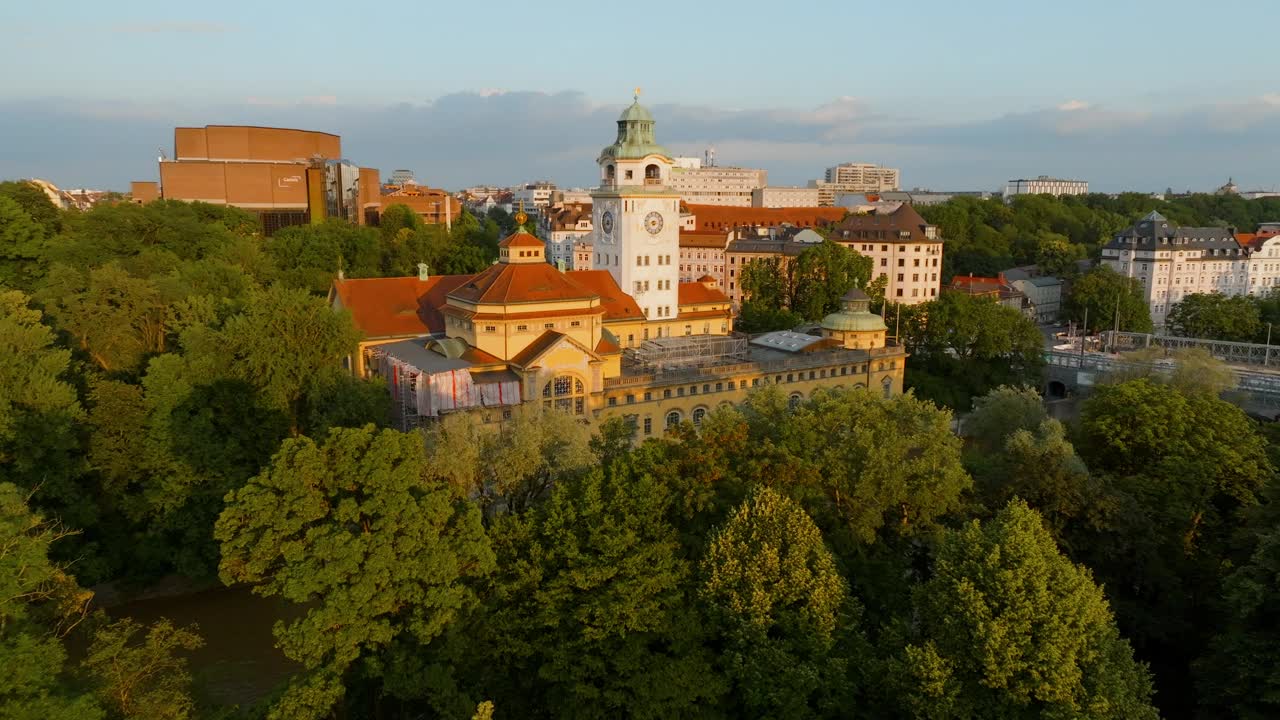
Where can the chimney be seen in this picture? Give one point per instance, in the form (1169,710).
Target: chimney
(423,274)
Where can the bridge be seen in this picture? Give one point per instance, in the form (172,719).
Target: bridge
(1076,370)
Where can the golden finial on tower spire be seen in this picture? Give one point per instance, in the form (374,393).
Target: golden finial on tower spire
(521,218)
(636,97)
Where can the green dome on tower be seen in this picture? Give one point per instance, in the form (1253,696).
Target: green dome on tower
(854,315)
(635,135)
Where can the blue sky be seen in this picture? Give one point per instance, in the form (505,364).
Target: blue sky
(1127,94)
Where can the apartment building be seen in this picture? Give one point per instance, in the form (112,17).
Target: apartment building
(560,228)
(702,253)
(855,178)
(776,196)
(1171,262)
(1045,185)
(715,185)
(904,249)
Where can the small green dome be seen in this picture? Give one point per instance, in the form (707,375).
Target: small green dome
(855,315)
(635,113)
(635,136)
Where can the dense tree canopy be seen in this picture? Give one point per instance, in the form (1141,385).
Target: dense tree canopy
(1009,628)
(1216,317)
(1110,300)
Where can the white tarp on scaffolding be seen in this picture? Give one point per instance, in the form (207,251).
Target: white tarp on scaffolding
(441,389)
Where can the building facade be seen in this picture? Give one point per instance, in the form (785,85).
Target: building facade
(702,253)
(282,175)
(1169,262)
(904,249)
(715,185)
(594,343)
(434,206)
(561,227)
(855,178)
(776,196)
(1045,185)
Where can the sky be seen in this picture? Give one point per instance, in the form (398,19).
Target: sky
(1128,94)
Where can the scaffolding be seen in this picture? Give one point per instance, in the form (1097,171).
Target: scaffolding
(686,353)
(1232,353)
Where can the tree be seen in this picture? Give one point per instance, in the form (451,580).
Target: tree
(22,246)
(1009,628)
(963,346)
(1215,317)
(355,528)
(1106,295)
(1192,371)
(821,275)
(865,464)
(142,681)
(512,466)
(1184,469)
(40,415)
(116,318)
(283,342)
(34,202)
(776,600)
(591,614)
(1241,675)
(1000,413)
(39,605)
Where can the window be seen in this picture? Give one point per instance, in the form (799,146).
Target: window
(731,384)
(491,328)
(791,377)
(693,389)
(629,175)
(522,328)
(901,262)
(794,401)
(613,402)
(680,391)
(575,323)
(886,386)
(884,262)
(698,414)
(666,393)
(673,419)
(565,393)
(755,382)
(548,326)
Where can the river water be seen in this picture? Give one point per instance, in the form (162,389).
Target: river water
(239,663)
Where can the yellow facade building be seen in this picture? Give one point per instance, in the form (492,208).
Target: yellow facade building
(625,340)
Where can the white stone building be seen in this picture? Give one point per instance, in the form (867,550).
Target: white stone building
(1171,262)
(1045,185)
(560,228)
(715,185)
(776,196)
(855,178)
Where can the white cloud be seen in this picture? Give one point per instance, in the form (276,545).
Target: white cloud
(1071,105)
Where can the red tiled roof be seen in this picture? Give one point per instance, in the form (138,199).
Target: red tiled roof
(396,307)
(478,316)
(704,238)
(706,279)
(520,282)
(725,217)
(520,238)
(695,293)
(700,314)
(617,304)
(883,226)
(607,347)
(1247,239)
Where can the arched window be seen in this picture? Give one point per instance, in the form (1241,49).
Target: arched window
(610,172)
(794,402)
(698,414)
(673,419)
(887,386)
(652,174)
(565,393)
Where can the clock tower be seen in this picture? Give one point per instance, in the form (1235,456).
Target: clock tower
(636,216)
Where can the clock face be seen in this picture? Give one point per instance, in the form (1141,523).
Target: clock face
(653,223)
(606,222)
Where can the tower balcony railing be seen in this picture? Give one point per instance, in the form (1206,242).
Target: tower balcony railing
(652,181)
